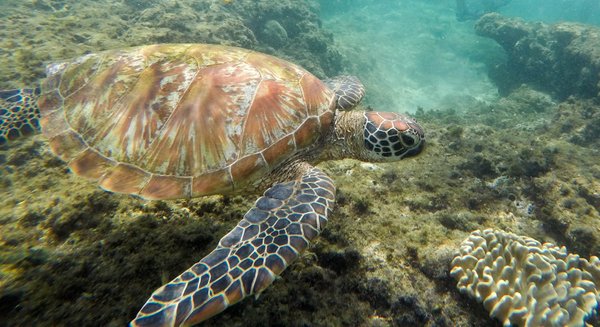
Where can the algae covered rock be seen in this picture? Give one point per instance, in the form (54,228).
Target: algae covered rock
(563,58)
(34,32)
(274,34)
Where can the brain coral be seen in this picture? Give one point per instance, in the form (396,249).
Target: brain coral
(523,282)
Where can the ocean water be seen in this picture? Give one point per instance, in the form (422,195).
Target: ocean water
(507,93)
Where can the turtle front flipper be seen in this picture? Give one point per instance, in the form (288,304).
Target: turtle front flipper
(271,235)
(19,113)
(348,90)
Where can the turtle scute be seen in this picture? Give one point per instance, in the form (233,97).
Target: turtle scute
(180,120)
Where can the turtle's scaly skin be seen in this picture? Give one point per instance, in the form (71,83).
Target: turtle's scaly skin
(349,91)
(272,234)
(184,120)
(19,114)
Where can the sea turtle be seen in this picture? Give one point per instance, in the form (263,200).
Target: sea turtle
(186,120)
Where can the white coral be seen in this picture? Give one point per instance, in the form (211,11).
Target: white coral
(523,282)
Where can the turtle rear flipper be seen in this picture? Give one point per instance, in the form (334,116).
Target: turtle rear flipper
(348,89)
(19,113)
(272,234)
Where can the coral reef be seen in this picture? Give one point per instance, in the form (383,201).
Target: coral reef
(274,34)
(71,254)
(36,32)
(523,282)
(578,122)
(65,244)
(563,58)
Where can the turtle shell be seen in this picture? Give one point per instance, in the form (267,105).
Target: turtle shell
(181,120)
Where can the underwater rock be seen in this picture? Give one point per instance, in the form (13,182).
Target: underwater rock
(479,166)
(274,34)
(304,40)
(578,121)
(339,261)
(525,100)
(38,32)
(523,282)
(409,312)
(563,58)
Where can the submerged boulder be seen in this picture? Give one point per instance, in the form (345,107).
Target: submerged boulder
(274,34)
(562,59)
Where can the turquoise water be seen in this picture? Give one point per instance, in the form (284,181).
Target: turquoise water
(509,103)
(421,53)
(584,11)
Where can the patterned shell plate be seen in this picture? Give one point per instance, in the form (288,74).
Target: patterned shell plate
(180,120)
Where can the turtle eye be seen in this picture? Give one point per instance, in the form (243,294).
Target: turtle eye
(392,136)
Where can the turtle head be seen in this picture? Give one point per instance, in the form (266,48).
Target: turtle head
(390,136)
(373,137)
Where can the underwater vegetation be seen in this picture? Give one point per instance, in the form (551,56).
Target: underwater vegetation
(526,163)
